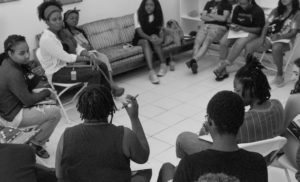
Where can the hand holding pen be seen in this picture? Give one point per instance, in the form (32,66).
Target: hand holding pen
(131,106)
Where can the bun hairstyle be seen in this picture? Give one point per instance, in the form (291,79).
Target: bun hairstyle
(9,43)
(254,80)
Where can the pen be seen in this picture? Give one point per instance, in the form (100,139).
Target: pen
(125,105)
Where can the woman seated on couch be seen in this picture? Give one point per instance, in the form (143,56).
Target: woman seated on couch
(215,16)
(280,30)
(18,104)
(54,58)
(71,18)
(148,22)
(97,150)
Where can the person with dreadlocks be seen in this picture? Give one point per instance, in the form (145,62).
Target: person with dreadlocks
(97,150)
(263,120)
(18,103)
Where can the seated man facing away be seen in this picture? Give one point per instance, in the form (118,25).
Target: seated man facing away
(225,114)
(262,121)
(18,165)
(97,150)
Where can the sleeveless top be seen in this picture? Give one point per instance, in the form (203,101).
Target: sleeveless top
(93,152)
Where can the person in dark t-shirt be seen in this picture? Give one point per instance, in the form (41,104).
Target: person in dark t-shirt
(225,113)
(248,20)
(215,16)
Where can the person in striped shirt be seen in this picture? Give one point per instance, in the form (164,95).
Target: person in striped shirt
(264,119)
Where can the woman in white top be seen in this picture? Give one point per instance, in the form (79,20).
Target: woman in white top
(54,58)
(280,30)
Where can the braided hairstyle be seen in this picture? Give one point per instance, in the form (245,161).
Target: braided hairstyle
(254,80)
(96,103)
(9,43)
(297,84)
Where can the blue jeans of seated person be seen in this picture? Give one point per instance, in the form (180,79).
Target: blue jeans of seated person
(188,143)
(83,74)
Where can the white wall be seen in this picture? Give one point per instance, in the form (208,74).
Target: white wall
(20,17)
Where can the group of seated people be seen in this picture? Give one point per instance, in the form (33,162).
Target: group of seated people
(277,33)
(107,154)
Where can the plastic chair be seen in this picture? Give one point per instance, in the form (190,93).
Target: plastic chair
(289,58)
(266,147)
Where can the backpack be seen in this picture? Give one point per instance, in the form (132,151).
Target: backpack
(175,31)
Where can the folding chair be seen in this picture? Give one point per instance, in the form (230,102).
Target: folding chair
(289,58)
(266,147)
(66,87)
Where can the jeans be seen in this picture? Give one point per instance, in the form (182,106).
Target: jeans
(188,143)
(83,74)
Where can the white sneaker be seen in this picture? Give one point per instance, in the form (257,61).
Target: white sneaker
(153,78)
(278,81)
(163,70)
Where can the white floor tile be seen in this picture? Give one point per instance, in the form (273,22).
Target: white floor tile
(175,105)
(169,118)
(151,111)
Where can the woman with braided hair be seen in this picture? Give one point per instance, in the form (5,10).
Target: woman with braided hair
(263,120)
(97,150)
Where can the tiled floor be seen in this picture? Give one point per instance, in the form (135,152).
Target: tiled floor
(177,104)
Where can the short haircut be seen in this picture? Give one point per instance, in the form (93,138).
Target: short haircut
(42,7)
(254,80)
(226,109)
(96,103)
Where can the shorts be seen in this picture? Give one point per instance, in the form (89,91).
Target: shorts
(15,122)
(211,31)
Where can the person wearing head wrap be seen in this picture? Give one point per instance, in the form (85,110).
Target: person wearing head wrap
(71,18)
(57,50)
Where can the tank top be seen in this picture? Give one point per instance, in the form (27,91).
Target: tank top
(93,152)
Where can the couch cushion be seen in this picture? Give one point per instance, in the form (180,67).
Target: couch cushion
(126,26)
(115,53)
(102,33)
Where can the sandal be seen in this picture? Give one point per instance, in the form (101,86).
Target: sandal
(40,151)
(220,76)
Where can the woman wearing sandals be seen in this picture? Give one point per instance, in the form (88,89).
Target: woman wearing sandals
(249,19)
(280,30)
(18,104)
